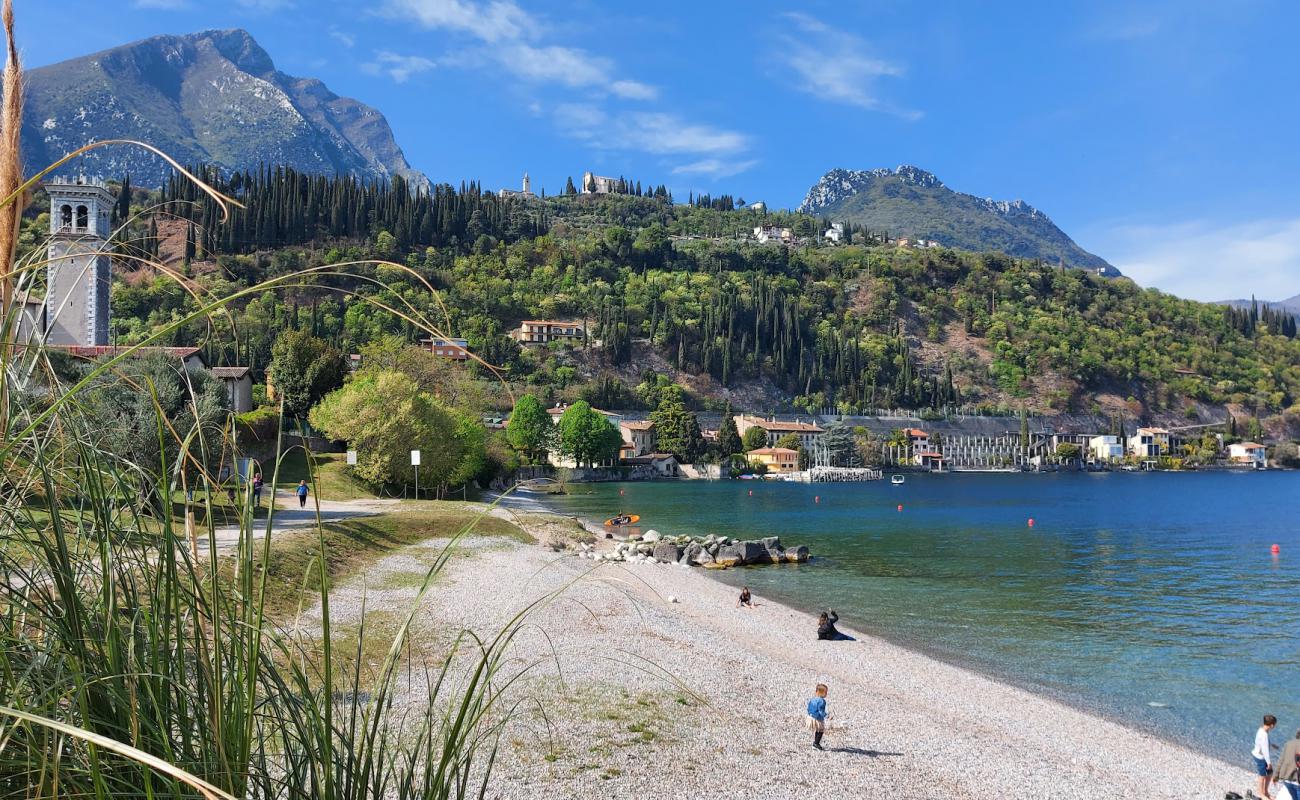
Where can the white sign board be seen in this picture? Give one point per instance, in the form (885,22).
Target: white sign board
(415,458)
(352,458)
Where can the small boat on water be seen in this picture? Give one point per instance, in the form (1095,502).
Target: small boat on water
(897,480)
(620,521)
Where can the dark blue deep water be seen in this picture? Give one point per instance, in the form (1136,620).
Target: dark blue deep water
(1152,598)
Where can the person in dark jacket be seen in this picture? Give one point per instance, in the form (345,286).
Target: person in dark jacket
(826,626)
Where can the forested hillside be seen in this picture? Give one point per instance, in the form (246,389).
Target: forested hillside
(681,289)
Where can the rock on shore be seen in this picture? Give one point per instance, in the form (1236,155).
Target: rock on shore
(710,552)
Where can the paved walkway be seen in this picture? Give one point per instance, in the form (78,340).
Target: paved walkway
(288,515)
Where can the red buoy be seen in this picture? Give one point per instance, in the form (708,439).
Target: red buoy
(1031,522)
(1276,549)
(620,492)
(817,498)
(751,492)
(900,506)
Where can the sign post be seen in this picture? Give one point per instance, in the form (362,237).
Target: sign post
(352,458)
(415,462)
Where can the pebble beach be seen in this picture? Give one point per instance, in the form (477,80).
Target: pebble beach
(647,680)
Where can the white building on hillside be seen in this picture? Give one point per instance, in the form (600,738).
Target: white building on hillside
(524,194)
(1248,453)
(773,233)
(598,184)
(1105,449)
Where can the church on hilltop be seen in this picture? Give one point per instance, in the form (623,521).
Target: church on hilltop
(525,194)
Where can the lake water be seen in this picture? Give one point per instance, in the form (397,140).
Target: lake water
(1152,597)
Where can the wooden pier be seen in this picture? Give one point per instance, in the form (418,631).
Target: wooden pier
(843,474)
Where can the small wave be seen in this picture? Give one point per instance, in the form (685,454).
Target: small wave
(1155,704)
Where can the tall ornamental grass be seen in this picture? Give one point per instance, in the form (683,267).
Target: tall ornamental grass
(135,664)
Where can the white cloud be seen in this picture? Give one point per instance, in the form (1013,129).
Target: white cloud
(265,6)
(1209,261)
(715,167)
(554,64)
(396,66)
(508,36)
(634,90)
(659,133)
(500,20)
(346,39)
(835,66)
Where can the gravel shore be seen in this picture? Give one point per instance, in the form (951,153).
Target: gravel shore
(650,682)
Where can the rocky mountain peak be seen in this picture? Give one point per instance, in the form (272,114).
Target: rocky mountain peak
(212,97)
(907,201)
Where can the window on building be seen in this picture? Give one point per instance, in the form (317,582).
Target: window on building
(83,218)
(65,217)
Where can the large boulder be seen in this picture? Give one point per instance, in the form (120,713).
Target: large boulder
(729,556)
(796,555)
(752,552)
(692,551)
(702,558)
(772,543)
(667,552)
(650,536)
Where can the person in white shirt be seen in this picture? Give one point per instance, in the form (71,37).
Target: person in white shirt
(1263,754)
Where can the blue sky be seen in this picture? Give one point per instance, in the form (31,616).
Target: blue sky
(1160,135)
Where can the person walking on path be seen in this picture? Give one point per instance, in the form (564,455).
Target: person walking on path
(257,490)
(302,494)
(1263,755)
(1286,771)
(817,715)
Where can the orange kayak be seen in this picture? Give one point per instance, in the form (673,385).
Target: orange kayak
(630,519)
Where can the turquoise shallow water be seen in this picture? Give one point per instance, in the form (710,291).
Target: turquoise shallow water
(1153,598)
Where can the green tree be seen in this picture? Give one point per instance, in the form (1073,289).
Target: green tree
(304,369)
(1254,430)
(790,441)
(587,437)
(1067,451)
(754,438)
(383,415)
(841,449)
(677,430)
(728,437)
(530,430)
(121,404)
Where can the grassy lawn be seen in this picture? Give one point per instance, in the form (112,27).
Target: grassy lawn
(332,479)
(351,545)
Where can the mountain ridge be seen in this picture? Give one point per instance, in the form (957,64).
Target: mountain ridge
(212,97)
(911,201)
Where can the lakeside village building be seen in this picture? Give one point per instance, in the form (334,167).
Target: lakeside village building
(74,314)
(545,331)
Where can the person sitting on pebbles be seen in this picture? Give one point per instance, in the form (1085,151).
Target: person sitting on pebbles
(826,627)
(746,600)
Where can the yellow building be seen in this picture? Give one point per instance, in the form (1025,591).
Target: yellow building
(777,459)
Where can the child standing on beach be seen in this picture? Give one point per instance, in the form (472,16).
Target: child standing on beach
(1262,754)
(302,494)
(817,715)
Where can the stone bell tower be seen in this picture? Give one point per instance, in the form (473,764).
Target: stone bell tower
(79,274)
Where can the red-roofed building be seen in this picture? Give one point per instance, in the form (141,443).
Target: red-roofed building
(191,357)
(807,432)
